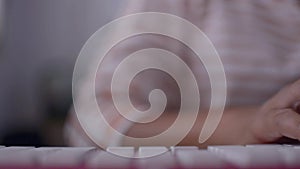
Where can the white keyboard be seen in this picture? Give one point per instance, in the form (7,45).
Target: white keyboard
(250,156)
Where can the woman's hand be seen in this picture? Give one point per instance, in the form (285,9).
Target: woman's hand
(276,118)
(279,116)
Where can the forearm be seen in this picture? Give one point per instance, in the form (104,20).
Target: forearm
(234,128)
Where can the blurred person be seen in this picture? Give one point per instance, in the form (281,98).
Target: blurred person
(259,45)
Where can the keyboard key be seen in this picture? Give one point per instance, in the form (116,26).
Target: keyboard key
(174,149)
(291,156)
(161,161)
(199,159)
(264,146)
(251,157)
(220,149)
(103,159)
(16,148)
(151,151)
(16,156)
(61,156)
(122,151)
(296,146)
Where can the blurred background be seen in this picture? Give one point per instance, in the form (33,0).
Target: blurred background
(39,43)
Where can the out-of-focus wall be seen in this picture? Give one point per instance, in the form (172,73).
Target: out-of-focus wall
(2,16)
(41,42)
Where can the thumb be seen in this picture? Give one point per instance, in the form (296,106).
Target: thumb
(287,123)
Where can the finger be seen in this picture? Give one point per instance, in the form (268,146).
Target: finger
(286,97)
(287,123)
(296,107)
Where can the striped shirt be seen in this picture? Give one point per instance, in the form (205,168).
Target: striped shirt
(258,42)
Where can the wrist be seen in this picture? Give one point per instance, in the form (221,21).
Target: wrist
(258,127)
